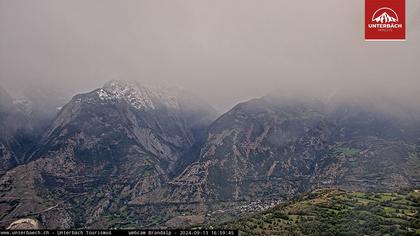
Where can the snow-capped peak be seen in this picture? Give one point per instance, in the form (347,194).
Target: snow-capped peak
(139,96)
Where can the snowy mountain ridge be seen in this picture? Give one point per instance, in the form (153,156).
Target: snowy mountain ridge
(142,97)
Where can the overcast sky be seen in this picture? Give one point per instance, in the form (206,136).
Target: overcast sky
(224,50)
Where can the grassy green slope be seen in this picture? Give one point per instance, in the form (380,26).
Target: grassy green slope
(336,212)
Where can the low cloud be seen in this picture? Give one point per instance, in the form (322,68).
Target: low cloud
(225,51)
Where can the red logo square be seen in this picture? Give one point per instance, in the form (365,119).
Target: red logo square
(385,20)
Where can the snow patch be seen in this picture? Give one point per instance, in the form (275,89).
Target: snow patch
(23,103)
(140,97)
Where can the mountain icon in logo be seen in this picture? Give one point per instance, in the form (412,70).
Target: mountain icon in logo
(388,16)
(385,18)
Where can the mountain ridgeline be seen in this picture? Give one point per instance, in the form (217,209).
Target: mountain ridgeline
(25,113)
(16,132)
(129,156)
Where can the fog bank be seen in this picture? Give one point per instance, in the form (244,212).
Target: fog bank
(225,51)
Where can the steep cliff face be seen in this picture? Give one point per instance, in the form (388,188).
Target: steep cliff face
(104,148)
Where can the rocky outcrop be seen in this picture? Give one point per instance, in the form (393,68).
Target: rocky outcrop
(25,224)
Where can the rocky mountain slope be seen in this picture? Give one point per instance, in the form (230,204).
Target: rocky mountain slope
(273,148)
(104,148)
(129,155)
(25,113)
(15,132)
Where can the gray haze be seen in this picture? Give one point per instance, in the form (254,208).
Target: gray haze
(224,50)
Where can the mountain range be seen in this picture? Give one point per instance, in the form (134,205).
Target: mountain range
(129,155)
